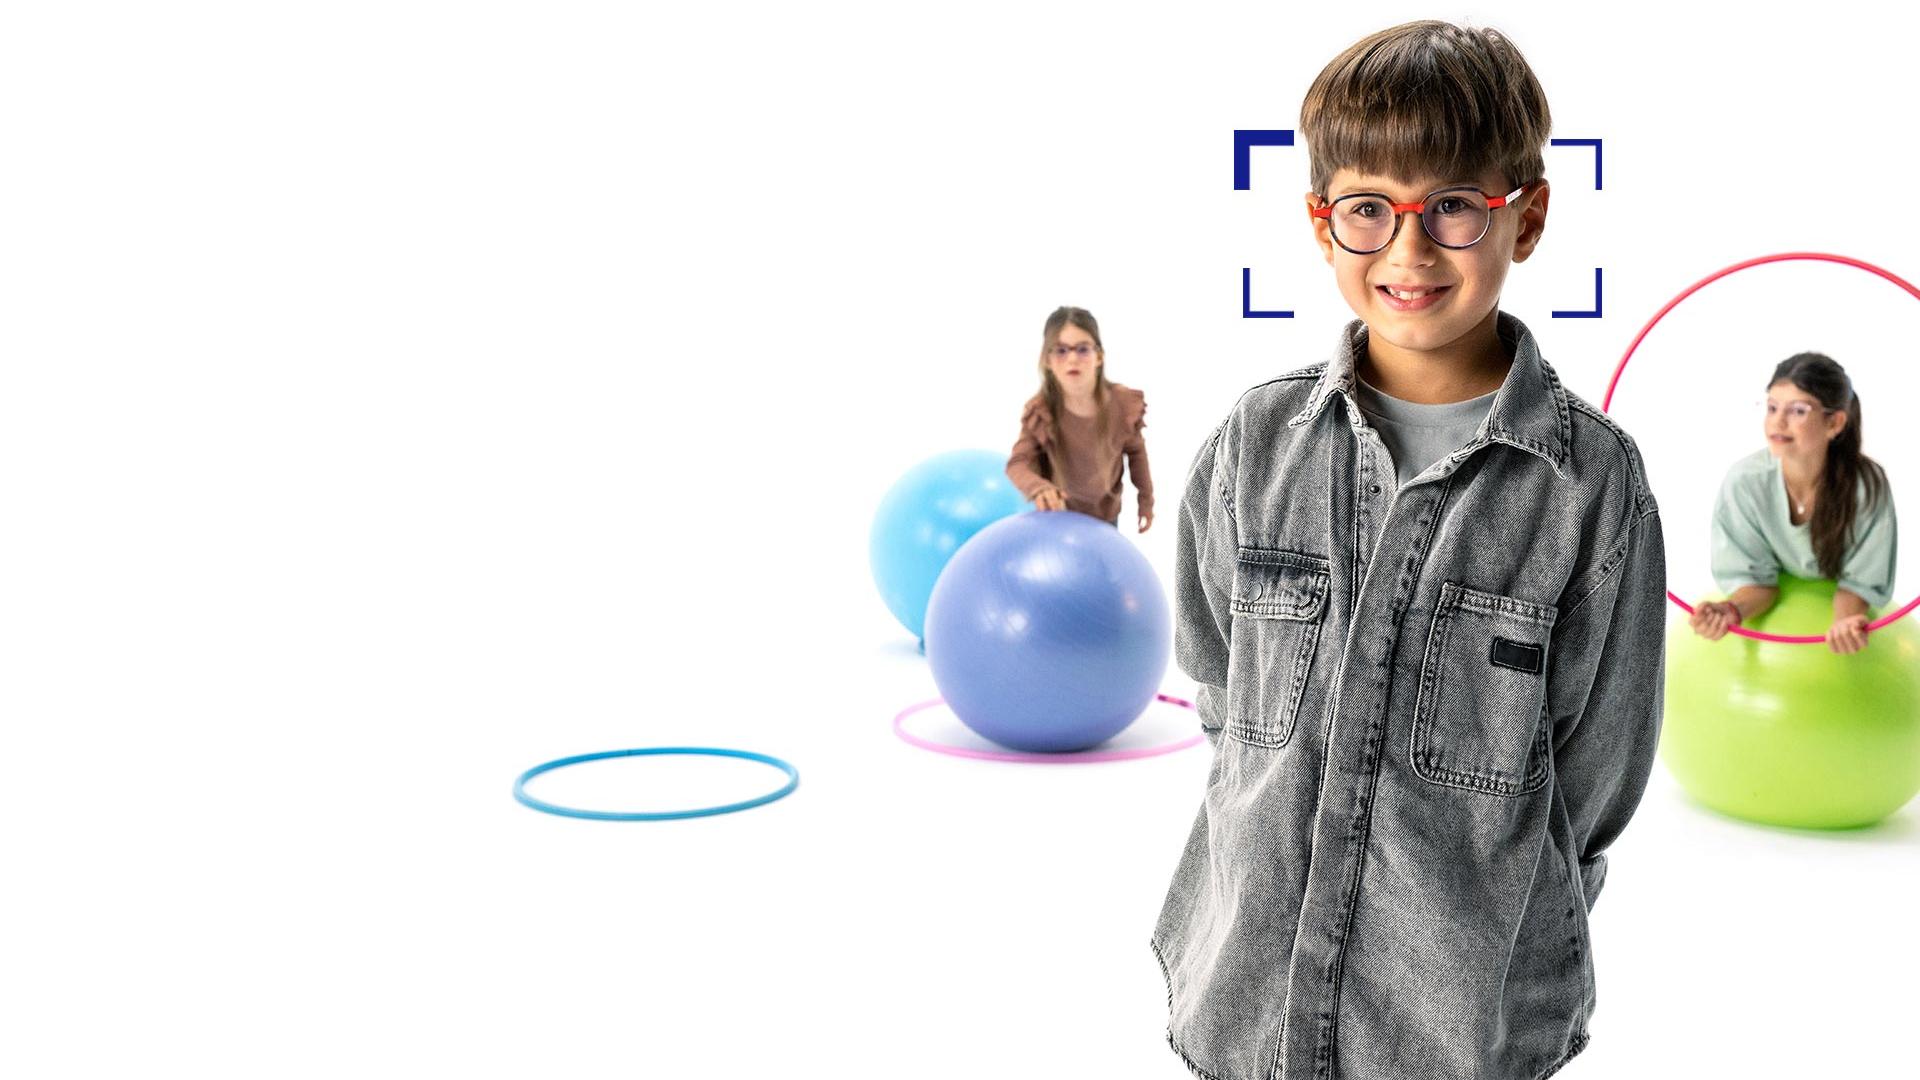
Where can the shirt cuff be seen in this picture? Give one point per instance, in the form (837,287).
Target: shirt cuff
(1875,598)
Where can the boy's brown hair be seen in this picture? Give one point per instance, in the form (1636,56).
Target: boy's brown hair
(1426,98)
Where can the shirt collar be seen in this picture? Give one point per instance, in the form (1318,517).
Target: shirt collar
(1529,410)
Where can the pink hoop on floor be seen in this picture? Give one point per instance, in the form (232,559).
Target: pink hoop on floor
(1606,405)
(1080,757)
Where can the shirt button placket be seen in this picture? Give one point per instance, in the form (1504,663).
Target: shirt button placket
(1379,465)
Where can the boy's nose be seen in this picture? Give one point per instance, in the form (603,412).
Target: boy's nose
(1412,246)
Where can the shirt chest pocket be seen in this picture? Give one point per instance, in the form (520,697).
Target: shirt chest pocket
(1480,721)
(1279,602)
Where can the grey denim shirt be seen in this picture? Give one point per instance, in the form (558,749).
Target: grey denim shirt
(1431,711)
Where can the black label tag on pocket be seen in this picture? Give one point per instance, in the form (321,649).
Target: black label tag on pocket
(1517,655)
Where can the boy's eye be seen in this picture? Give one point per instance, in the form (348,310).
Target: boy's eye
(1366,208)
(1451,204)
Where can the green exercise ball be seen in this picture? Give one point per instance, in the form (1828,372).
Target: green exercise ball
(1795,734)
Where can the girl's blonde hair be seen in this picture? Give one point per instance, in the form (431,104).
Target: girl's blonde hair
(1050,390)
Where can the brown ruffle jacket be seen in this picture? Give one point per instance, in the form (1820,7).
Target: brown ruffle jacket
(1080,463)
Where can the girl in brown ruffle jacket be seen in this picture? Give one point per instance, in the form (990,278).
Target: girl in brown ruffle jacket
(1075,431)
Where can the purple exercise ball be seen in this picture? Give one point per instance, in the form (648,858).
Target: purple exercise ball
(1048,632)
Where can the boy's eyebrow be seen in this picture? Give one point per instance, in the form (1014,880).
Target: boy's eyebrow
(1359,188)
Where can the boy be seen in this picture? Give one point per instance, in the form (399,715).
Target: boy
(1421,587)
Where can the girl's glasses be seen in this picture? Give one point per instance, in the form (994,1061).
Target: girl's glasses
(1455,217)
(1796,410)
(1082,350)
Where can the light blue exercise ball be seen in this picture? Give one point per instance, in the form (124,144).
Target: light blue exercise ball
(925,517)
(1048,632)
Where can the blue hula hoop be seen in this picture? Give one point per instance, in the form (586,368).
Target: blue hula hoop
(520,785)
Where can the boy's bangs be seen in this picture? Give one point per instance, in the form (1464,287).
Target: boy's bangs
(1423,101)
(1410,146)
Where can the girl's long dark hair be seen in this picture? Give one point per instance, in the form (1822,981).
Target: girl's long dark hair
(1835,509)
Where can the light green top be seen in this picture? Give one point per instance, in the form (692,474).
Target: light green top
(1754,537)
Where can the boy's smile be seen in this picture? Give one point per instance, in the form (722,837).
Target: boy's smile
(1430,310)
(1407,297)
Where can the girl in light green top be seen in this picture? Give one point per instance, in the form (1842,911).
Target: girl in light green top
(1810,504)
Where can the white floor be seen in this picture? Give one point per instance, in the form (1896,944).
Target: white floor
(369,900)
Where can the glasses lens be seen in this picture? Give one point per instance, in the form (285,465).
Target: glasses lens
(1362,223)
(1794,411)
(1456,218)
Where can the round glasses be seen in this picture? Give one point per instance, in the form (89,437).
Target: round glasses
(1454,217)
(1796,411)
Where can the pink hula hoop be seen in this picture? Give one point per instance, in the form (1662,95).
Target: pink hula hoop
(1082,757)
(1606,403)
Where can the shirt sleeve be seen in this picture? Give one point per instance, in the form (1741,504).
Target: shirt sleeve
(1741,554)
(1868,569)
(1027,466)
(1205,548)
(1136,449)
(1607,687)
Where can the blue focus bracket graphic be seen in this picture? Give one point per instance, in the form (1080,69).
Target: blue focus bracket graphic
(1245,139)
(1595,313)
(1246,299)
(1595,143)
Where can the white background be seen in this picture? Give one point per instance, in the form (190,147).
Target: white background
(399,395)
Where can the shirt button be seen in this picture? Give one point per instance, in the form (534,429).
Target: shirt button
(1375,489)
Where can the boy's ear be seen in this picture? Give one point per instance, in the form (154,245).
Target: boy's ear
(1533,222)
(1322,229)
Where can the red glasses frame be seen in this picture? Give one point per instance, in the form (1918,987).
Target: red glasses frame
(1401,210)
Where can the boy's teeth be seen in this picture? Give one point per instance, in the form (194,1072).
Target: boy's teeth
(1404,295)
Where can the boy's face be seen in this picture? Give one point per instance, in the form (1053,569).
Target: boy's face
(1454,291)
